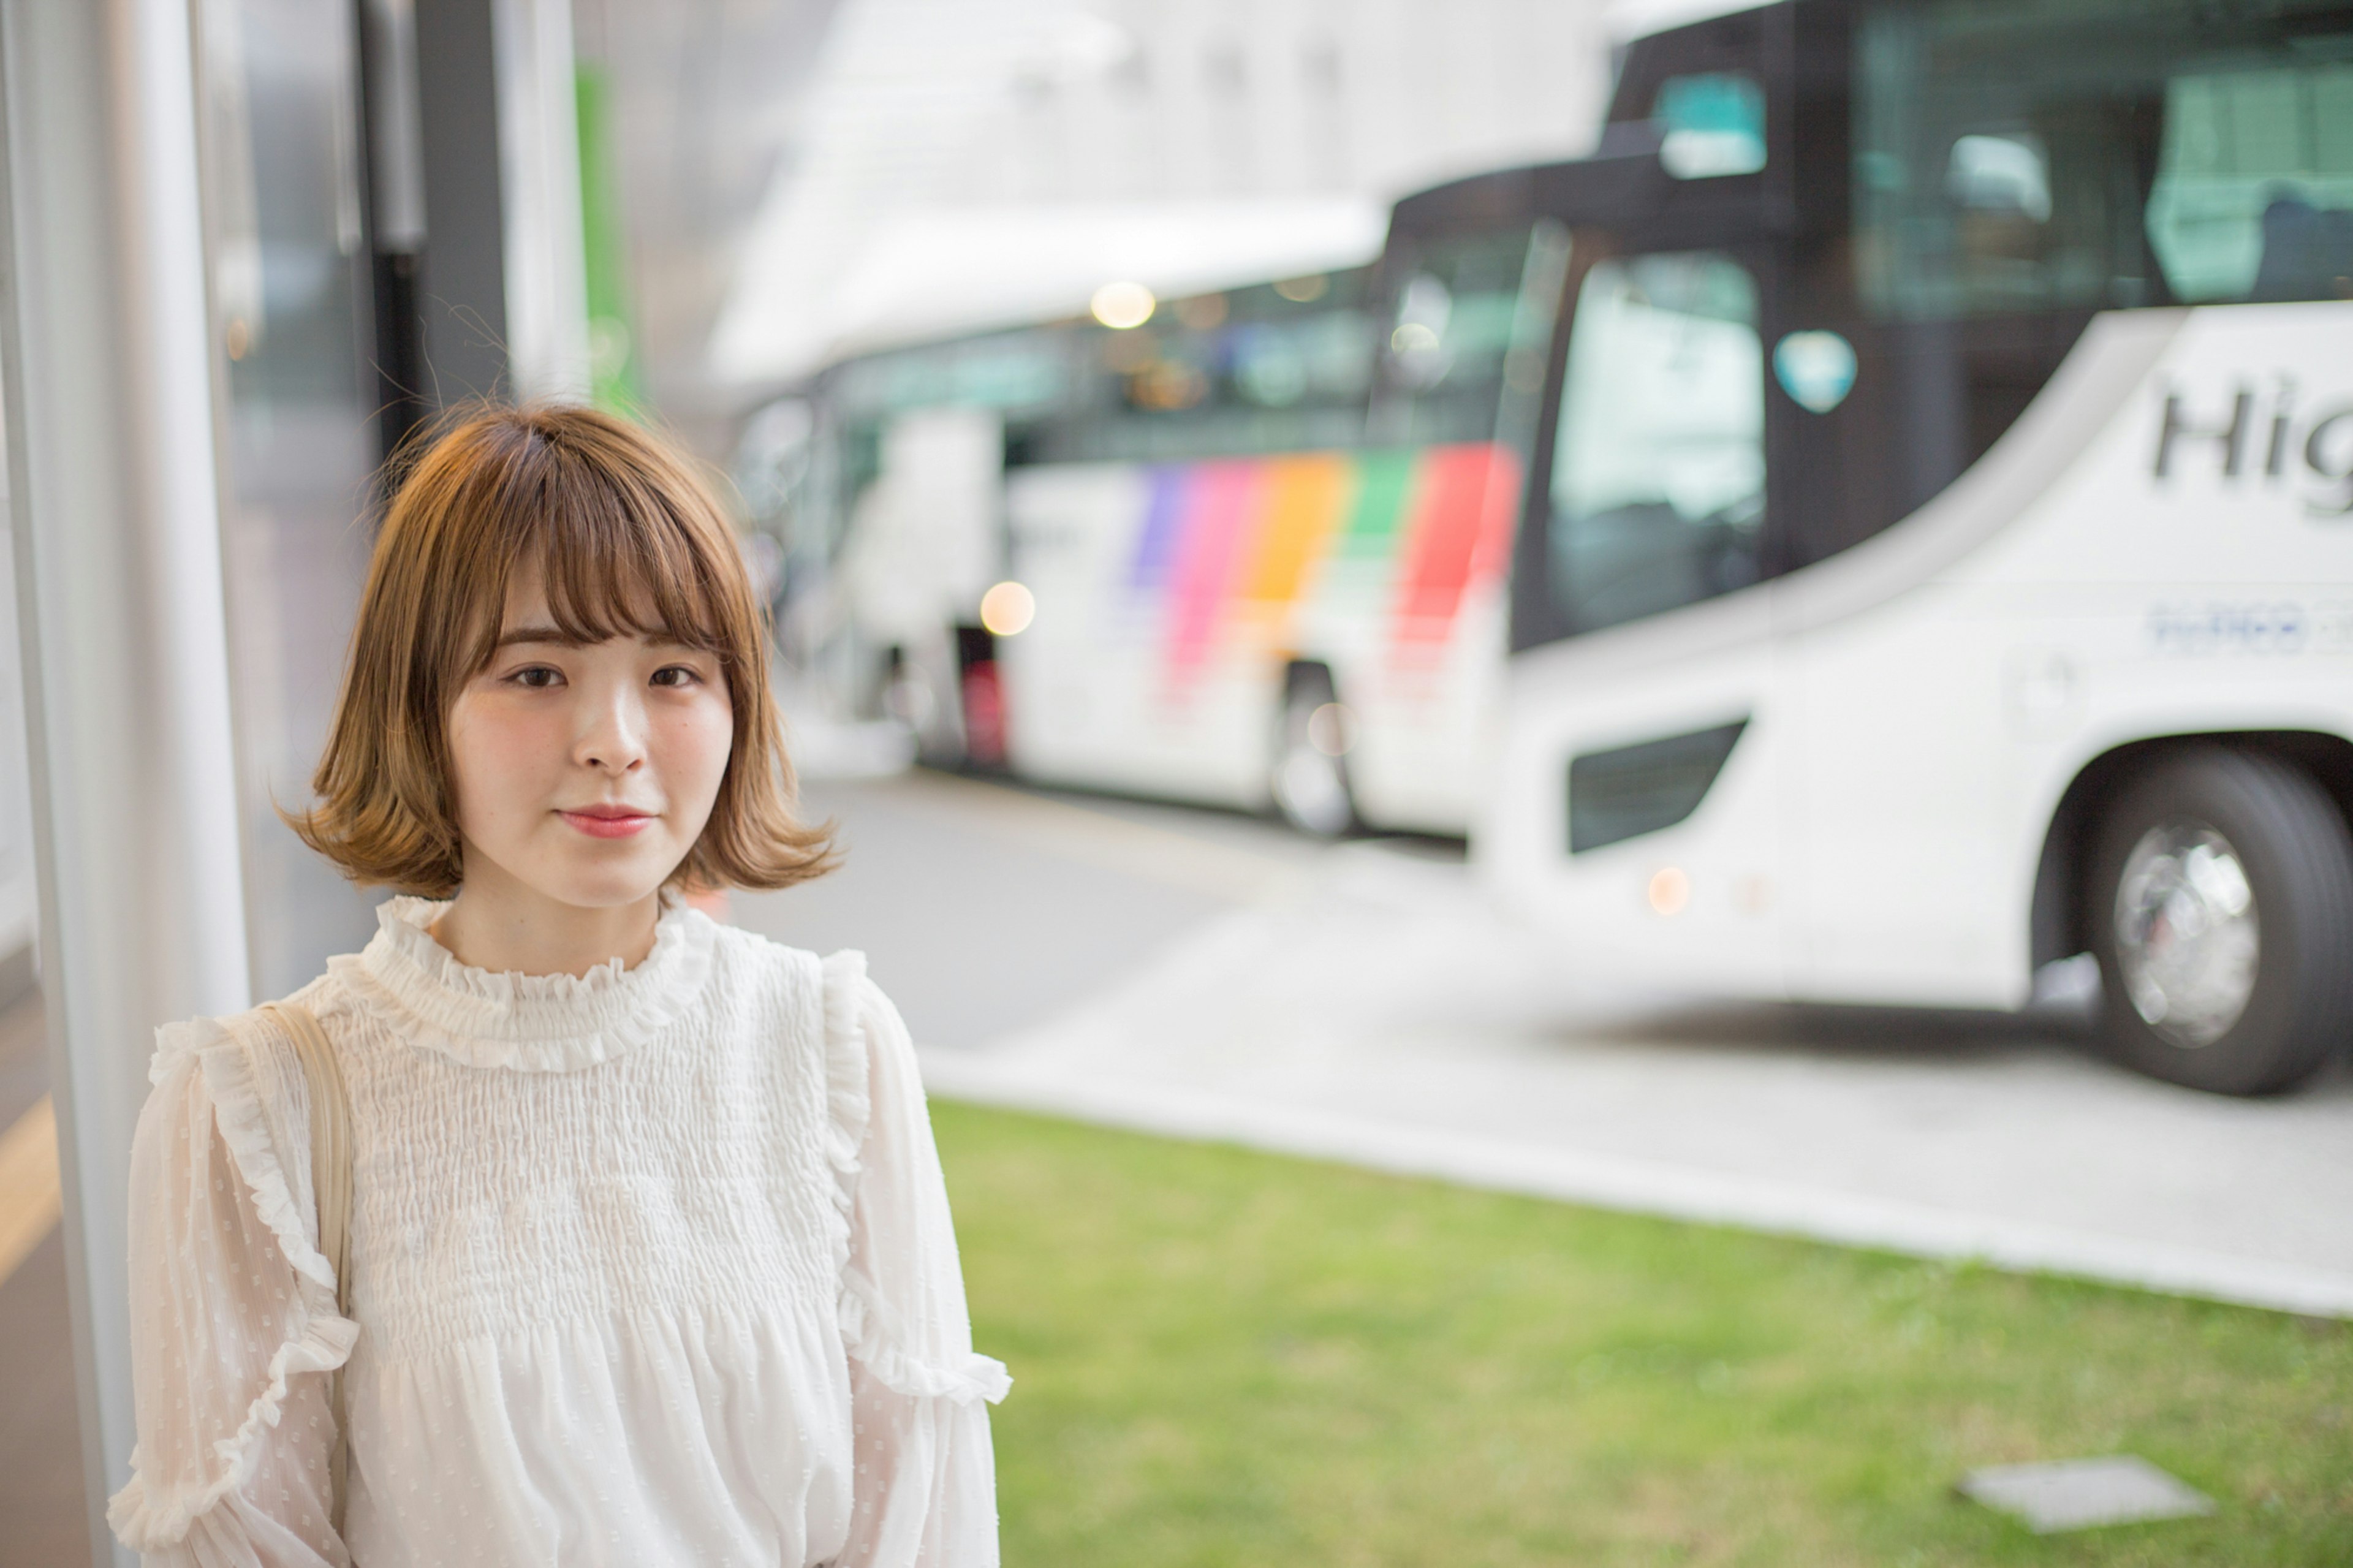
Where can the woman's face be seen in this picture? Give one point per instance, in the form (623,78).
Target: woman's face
(585,772)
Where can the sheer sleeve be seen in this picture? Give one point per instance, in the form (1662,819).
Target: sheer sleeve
(925,1476)
(231,1305)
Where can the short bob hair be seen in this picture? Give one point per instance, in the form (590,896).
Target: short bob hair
(628,539)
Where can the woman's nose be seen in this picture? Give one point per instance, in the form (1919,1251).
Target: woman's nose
(615,738)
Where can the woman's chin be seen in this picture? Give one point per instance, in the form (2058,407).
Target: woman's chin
(614,884)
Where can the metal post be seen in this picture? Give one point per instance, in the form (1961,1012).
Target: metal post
(504,293)
(104,358)
(462,294)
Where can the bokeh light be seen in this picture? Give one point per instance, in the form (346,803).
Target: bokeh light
(1123,305)
(1008,609)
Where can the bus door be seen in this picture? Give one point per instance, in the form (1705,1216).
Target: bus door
(1645,671)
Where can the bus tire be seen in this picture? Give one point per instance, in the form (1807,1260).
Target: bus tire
(1308,777)
(2220,905)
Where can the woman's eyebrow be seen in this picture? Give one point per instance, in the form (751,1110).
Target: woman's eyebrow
(559,638)
(543,634)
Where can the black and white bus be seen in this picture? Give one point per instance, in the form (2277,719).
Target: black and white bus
(1936,566)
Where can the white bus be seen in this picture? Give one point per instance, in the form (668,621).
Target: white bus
(1938,559)
(1254,541)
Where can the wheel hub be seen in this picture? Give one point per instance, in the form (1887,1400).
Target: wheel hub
(1311,789)
(1311,781)
(2186,938)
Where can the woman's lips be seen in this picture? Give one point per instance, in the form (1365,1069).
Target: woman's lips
(606,823)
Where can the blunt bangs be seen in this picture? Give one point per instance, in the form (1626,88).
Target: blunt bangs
(614,554)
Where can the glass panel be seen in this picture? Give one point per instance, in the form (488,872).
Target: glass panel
(289,292)
(1628,791)
(1657,480)
(1710,125)
(2253,197)
(2015,157)
(1275,367)
(1270,368)
(1466,336)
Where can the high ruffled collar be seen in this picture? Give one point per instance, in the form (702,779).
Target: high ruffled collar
(534,1023)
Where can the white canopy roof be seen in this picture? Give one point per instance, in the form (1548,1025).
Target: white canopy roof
(964,164)
(936,271)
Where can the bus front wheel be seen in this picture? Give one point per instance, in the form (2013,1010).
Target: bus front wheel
(1312,733)
(2220,908)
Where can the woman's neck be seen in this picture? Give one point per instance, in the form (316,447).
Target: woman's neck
(499,924)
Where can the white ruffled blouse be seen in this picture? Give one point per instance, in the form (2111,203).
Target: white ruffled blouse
(649,1267)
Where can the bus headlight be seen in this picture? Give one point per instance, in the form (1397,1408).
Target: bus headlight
(1670,891)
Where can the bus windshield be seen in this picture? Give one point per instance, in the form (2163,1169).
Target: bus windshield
(2015,157)
(1464,345)
(1658,481)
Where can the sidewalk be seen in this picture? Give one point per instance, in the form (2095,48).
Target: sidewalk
(1381,1016)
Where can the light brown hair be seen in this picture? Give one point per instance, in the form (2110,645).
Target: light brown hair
(628,539)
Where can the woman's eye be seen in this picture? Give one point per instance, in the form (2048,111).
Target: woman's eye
(538,677)
(675,675)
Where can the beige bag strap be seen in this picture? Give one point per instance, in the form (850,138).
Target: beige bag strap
(330,1186)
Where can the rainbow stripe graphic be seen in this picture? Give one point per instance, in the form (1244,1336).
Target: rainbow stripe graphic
(1232,548)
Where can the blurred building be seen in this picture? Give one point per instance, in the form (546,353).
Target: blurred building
(959,164)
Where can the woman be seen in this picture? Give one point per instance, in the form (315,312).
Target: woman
(649,1257)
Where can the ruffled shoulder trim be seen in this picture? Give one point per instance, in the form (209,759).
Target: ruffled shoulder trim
(280,1185)
(859,1021)
(146,1522)
(848,1101)
(866,1331)
(224,1054)
(177,1044)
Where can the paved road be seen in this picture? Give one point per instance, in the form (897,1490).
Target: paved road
(1206,975)
(986,911)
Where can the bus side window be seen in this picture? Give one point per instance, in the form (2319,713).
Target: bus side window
(1710,125)
(2253,197)
(2021,159)
(1658,476)
(1274,367)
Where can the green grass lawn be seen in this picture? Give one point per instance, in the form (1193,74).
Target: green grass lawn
(1225,1357)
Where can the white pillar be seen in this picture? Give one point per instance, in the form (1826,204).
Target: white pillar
(539,159)
(105,356)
